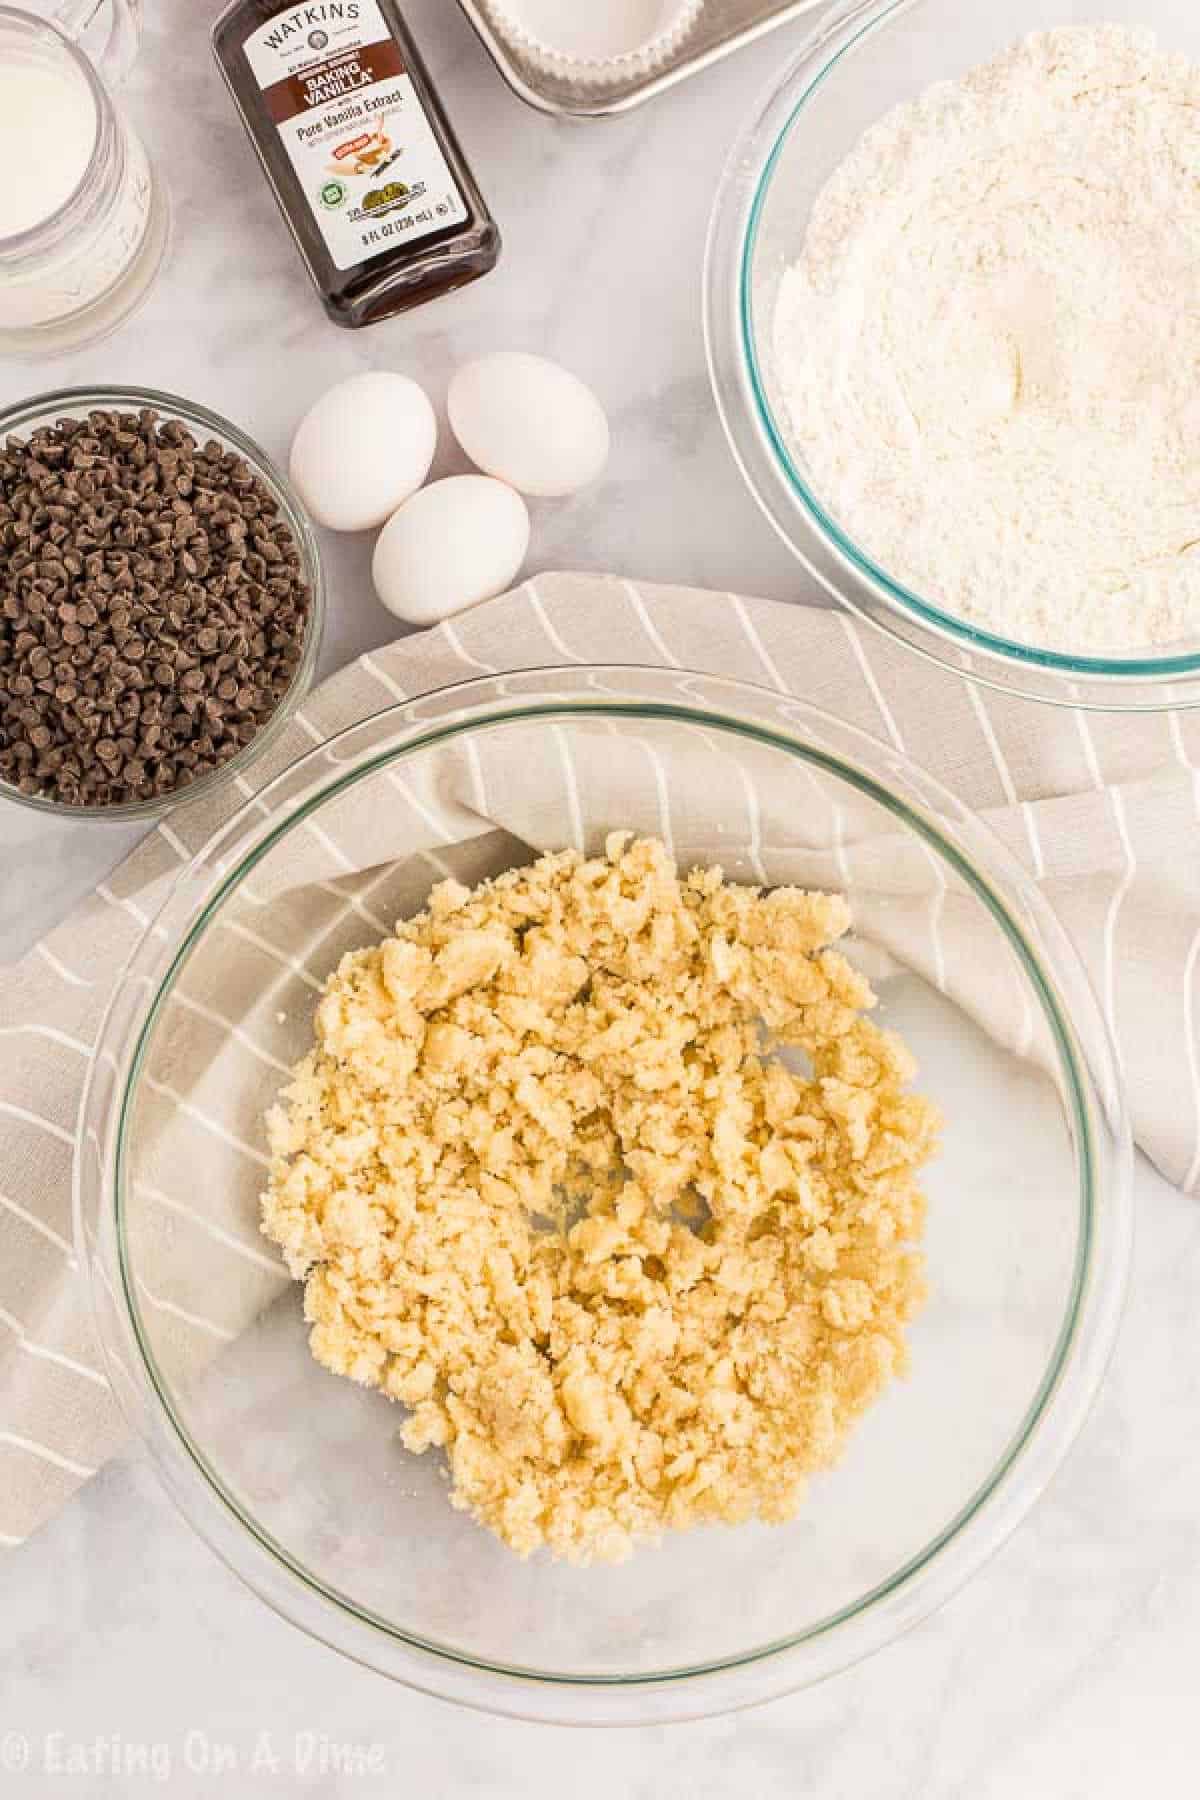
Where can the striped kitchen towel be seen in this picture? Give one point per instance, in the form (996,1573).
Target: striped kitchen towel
(1102,809)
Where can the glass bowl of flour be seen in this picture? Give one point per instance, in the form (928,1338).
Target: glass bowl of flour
(953,317)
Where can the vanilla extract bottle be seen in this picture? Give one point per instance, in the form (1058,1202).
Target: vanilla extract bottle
(358,151)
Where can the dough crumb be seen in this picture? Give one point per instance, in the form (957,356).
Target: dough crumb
(605,1175)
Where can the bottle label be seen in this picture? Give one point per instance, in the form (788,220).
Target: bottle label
(334,83)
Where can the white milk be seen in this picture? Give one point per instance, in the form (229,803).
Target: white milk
(47,134)
(81,282)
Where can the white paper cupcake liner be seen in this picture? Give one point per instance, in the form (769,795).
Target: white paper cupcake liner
(596,42)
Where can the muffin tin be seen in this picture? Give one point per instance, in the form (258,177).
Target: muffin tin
(724,26)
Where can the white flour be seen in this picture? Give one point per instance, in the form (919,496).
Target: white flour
(990,348)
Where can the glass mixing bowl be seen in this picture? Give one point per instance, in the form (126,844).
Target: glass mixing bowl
(298,1480)
(865,57)
(29,416)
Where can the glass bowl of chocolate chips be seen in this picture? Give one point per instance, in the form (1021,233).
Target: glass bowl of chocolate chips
(161,602)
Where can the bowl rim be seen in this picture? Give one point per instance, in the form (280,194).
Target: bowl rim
(1057,1408)
(747,179)
(55,402)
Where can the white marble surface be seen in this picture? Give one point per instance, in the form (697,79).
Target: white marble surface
(1066,1668)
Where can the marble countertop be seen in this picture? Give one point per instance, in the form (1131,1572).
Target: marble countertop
(1065,1669)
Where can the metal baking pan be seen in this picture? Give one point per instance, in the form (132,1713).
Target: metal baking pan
(723,26)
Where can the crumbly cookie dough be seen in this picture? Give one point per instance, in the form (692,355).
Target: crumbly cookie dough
(547,1186)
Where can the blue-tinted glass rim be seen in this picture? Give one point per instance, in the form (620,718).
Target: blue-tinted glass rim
(969,636)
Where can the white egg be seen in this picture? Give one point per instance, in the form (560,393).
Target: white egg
(529,422)
(363,448)
(456,542)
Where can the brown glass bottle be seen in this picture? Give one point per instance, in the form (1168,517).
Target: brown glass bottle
(359,154)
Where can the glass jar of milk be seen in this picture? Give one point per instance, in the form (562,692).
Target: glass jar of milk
(83,216)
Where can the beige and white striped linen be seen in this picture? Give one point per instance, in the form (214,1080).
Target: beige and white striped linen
(1103,810)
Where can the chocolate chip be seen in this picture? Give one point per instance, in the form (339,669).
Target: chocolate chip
(152,609)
